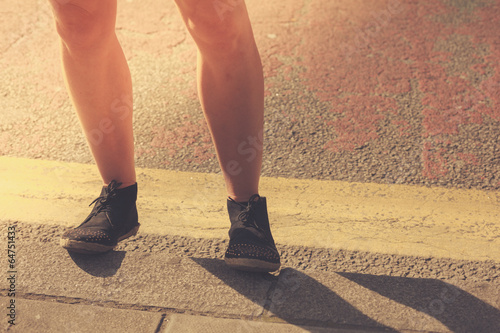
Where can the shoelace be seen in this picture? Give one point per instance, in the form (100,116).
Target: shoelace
(104,200)
(247,215)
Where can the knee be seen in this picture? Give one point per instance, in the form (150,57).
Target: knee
(82,27)
(217,26)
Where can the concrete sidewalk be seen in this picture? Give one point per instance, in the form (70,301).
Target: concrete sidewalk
(171,276)
(159,292)
(53,316)
(50,317)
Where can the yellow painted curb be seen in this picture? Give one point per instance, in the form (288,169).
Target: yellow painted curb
(398,219)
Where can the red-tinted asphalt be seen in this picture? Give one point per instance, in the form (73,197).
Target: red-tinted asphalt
(361,56)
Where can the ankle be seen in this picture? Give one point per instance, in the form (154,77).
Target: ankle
(123,184)
(241,198)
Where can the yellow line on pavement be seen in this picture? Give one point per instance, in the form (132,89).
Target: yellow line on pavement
(397,219)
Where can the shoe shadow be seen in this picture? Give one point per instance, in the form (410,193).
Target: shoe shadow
(455,308)
(99,265)
(296,298)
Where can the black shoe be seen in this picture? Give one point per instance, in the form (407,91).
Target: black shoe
(113,218)
(251,245)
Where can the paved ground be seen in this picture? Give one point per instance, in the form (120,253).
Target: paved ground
(382,122)
(390,258)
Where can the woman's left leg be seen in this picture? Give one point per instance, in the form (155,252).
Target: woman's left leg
(231,88)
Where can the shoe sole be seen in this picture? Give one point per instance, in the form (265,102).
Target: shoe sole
(251,265)
(93,248)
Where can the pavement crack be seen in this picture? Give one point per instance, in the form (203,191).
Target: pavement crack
(160,327)
(12,44)
(270,292)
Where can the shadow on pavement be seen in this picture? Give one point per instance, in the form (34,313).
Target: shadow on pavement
(100,265)
(297,298)
(455,308)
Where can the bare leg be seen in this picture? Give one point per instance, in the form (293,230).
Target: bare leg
(231,88)
(99,83)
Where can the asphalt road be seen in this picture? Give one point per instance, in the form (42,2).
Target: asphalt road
(394,92)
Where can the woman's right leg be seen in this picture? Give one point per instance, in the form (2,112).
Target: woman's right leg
(99,83)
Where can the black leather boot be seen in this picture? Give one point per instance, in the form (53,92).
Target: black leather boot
(113,218)
(251,244)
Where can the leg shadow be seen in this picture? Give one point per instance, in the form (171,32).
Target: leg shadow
(296,299)
(100,265)
(453,307)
